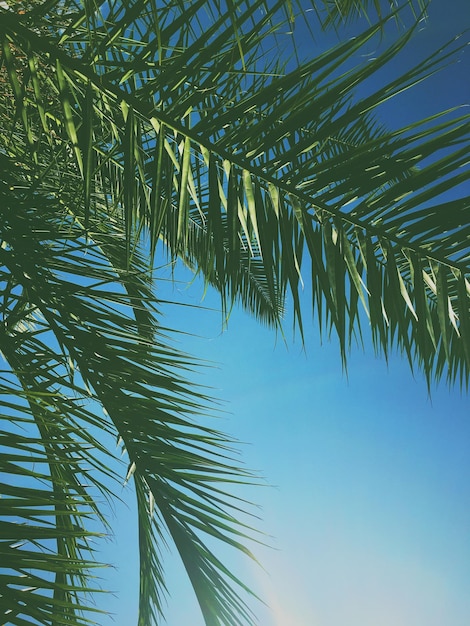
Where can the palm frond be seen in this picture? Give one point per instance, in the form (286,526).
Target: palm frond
(336,13)
(130,123)
(81,336)
(235,172)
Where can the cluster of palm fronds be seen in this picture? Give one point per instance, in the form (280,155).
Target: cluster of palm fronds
(128,123)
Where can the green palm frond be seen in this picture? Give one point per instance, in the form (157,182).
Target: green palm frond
(239,174)
(45,511)
(90,362)
(335,13)
(130,124)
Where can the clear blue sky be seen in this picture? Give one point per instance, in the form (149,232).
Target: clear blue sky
(370,505)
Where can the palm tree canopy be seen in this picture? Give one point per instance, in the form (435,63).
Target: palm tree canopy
(200,126)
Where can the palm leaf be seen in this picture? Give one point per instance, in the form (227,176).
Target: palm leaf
(129,123)
(290,133)
(77,329)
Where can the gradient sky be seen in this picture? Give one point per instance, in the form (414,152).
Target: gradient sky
(369,508)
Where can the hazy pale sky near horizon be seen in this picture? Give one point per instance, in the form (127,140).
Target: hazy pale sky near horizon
(369,508)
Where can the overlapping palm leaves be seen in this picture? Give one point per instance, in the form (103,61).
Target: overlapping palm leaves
(129,123)
(73,342)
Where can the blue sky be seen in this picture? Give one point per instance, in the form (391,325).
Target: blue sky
(369,504)
(369,498)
